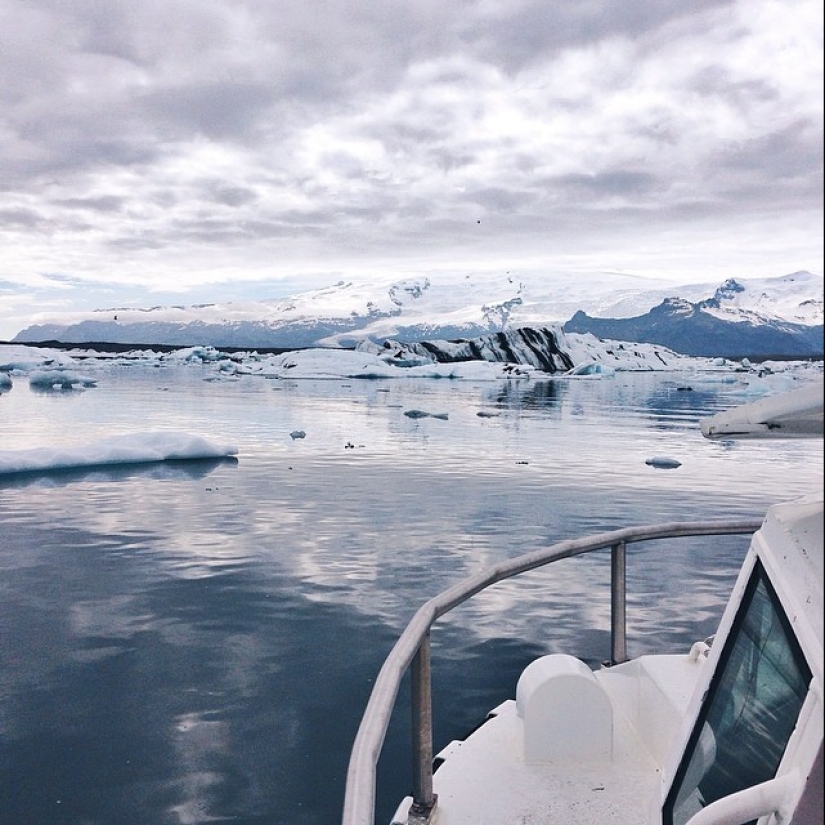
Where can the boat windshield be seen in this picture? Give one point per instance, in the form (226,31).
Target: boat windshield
(750,709)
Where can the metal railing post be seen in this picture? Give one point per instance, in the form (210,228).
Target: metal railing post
(618,603)
(422,736)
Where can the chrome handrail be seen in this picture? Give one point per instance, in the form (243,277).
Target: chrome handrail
(413,648)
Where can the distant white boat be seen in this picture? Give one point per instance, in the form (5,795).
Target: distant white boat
(727,733)
(797,413)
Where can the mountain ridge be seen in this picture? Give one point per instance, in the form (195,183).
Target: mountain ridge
(699,334)
(448,308)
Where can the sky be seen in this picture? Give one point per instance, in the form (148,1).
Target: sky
(192,151)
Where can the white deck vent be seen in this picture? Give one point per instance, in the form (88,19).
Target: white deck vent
(566,713)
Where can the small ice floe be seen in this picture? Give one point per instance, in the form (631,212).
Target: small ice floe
(59,380)
(297,434)
(663,462)
(138,448)
(416,414)
(197,355)
(422,414)
(593,370)
(5,381)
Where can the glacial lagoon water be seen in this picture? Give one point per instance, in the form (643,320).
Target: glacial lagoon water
(195,642)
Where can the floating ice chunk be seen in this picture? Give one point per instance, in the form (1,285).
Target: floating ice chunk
(590,369)
(422,414)
(199,354)
(25,359)
(325,363)
(137,448)
(332,363)
(297,434)
(59,379)
(5,381)
(663,462)
(395,353)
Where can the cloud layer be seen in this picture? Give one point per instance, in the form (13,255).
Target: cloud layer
(179,145)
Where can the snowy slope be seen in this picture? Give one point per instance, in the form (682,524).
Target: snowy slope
(435,306)
(774,299)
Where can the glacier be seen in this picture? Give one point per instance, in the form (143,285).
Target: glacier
(469,307)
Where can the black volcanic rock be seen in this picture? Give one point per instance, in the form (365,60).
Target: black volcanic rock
(538,348)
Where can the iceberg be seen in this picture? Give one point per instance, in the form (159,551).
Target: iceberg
(663,462)
(594,369)
(59,379)
(137,448)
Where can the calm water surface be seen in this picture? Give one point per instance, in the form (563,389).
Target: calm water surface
(195,642)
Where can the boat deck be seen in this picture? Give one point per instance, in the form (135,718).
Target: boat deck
(508,790)
(486,779)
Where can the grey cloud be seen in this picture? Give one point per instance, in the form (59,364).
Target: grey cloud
(104,203)
(305,217)
(692,209)
(234,196)
(165,198)
(138,242)
(63,141)
(288,227)
(540,29)
(449,160)
(210,231)
(233,72)
(218,109)
(791,158)
(404,135)
(222,192)
(793,151)
(715,81)
(147,33)
(497,200)
(21,219)
(385,126)
(614,182)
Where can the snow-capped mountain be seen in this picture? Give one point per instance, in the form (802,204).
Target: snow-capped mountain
(350,311)
(434,307)
(735,321)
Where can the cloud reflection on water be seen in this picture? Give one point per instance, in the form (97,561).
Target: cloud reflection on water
(200,645)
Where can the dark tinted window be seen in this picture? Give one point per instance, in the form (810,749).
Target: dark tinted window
(750,710)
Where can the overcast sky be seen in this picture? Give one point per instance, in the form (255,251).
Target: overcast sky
(196,150)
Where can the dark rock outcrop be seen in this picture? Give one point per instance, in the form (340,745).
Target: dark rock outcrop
(538,348)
